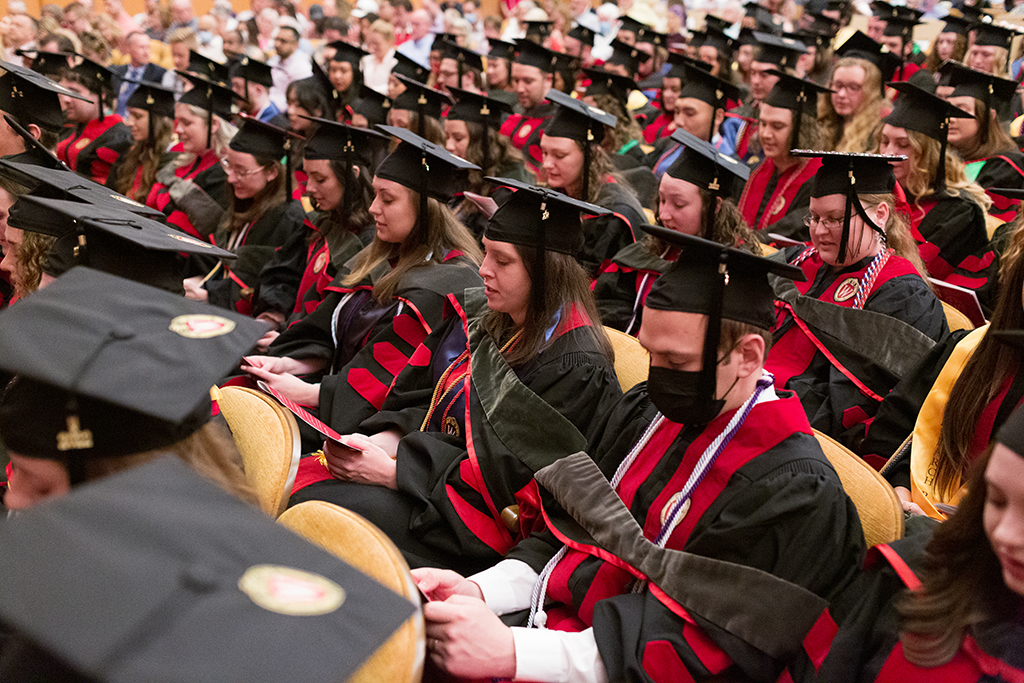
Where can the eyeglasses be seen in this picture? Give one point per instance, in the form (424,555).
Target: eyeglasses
(229,169)
(829,223)
(852,88)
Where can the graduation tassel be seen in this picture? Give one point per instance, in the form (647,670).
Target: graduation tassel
(421,105)
(847,215)
(586,163)
(940,173)
(798,115)
(537,292)
(209,117)
(423,192)
(346,200)
(485,113)
(288,170)
(988,112)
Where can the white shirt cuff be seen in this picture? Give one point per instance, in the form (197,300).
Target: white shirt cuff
(507,586)
(557,656)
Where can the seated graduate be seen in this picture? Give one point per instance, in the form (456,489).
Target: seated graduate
(947,211)
(946,606)
(831,346)
(694,198)
(33,117)
(392,292)
(338,162)
(704,458)
(663,125)
(517,376)
(192,190)
(306,103)
(610,92)
(151,122)
(699,110)
(471,131)
(776,196)
(419,108)
(577,165)
(991,157)
(107,378)
(849,117)
(261,219)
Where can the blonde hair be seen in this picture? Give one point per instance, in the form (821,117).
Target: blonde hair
(924,164)
(860,134)
(220,139)
(897,231)
(384,30)
(999,63)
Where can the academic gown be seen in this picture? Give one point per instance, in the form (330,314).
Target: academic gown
(739,131)
(660,127)
(233,285)
(623,285)
(771,501)
(486,435)
(1004,170)
(953,241)
(840,360)
(193,196)
(93,148)
(525,130)
(136,186)
(777,202)
(604,236)
(467,212)
(294,280)
(867,648)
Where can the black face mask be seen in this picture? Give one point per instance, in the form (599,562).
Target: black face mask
(679,396)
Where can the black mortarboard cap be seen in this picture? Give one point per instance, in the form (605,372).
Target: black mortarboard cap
(994,35)
(1011,434)
(261,139)
(795,94)
(628,56)
(955,24)
(606,83)
(208,68)
(211,97)
(701,164)
(980,85)
(976,13)
(917,109)
(699,84)
(423,167)
(31,97)
(581,122)
(822,25)
(900,26)
(165,576)
(98,79)
(440,38)
(420,98)
(334,140)
(720,282)
(631,25)
(347,52)
(679,63)
(463,57)
(153,98)
(582,33)
(808,38)
(477,108)
(745,37)
(410,68)
(852,175)
(501,49)
(138,362)
(530,53)
(252,70)
(719,40)
(63,183)
(860,46)
(716,22)
(371,104)
(696,39)
(538,29)
(35,153)
(782,52)
(110,239)
(45,63)
(649,35)
(886,11)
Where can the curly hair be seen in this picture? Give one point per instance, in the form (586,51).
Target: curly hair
(145,155)
(861,132)
(29,256)
(897,231)
(626,130)
(924,164)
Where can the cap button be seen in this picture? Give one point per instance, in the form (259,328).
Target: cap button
(121,332)
(199,578)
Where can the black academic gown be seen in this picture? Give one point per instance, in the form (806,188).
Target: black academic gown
(604,236)
(623,285)
(479,447)
(771,501)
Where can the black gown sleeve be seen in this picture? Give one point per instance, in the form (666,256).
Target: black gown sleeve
(615,294)
(792,224)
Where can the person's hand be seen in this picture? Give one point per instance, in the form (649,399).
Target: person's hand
(194,289)
(388,440)
(282,364)
(903,493)
(275,319)
(362,462)
(288,385)
(267,339)
(465,638)
(441,584)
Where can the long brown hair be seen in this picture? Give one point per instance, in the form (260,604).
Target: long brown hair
(861,133)
(360,190)
(145,155)
(921,175)
(961,582)
(429,241)
(210,451)
(729,227)
(998,140)
(501,154)
(626,130)
(932,62)
(245,211)
(566,288)
(978,384)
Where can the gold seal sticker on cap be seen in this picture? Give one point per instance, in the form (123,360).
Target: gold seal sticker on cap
(201,326)
(190,240)
(847,290)
(291,591)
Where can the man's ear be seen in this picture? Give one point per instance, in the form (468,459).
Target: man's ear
(35,131)
(751,354)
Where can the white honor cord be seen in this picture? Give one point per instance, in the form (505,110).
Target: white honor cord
(636,302)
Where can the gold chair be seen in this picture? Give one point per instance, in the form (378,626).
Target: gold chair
(879,508)
(365,547)
(268,439)
(956,319)
(631,359)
